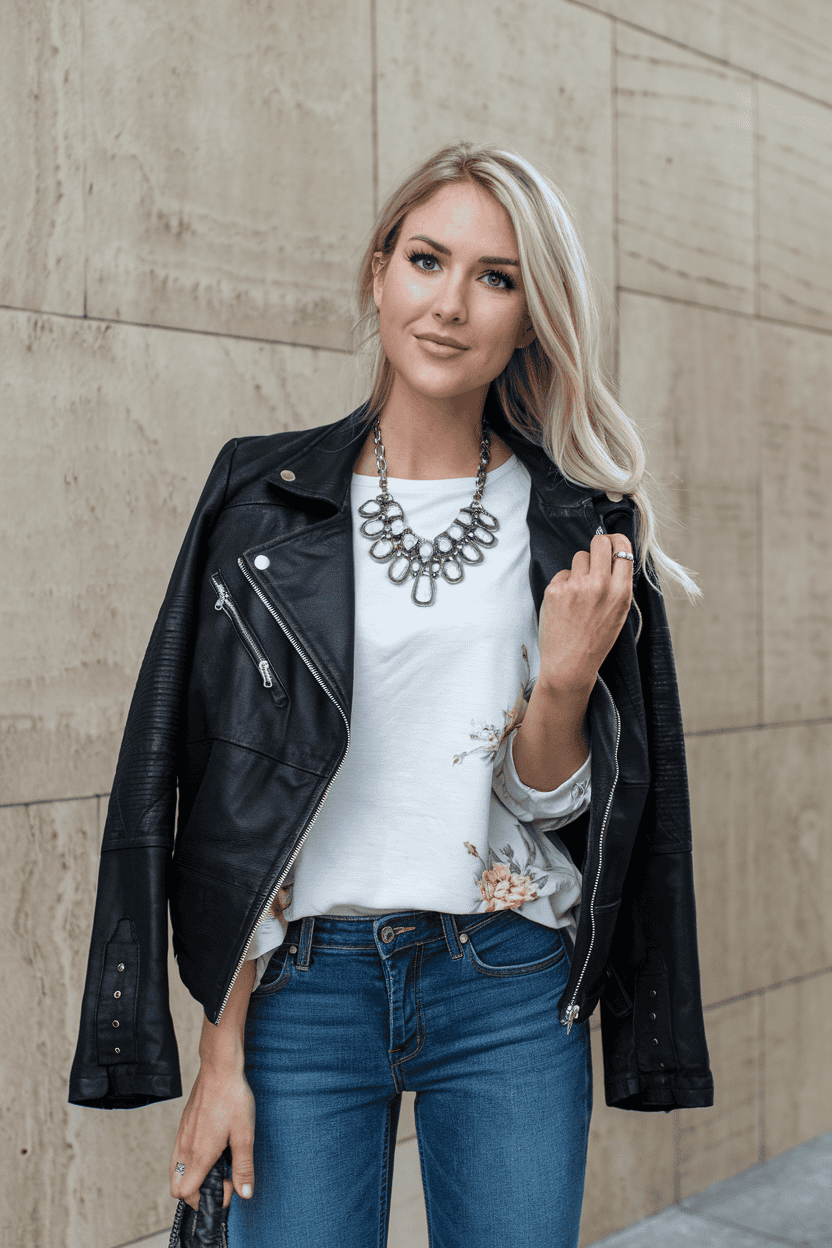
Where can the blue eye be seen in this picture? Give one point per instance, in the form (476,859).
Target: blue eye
(415,256)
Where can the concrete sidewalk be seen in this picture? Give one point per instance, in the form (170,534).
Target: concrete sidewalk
(784,1201)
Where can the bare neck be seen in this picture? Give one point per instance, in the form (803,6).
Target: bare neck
(430,445)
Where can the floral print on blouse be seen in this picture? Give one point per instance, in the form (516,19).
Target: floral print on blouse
(524,861)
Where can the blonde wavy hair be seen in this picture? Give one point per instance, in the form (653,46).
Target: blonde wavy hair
(553,392)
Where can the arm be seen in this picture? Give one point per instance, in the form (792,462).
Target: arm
(220,1109)
(582,613)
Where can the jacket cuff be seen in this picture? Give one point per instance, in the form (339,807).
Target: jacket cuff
(124,1087)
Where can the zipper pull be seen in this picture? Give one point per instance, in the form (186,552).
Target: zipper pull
(571,1017)
(220,603)
(265,673)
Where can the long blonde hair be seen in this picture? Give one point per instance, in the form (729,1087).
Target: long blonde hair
(553,392)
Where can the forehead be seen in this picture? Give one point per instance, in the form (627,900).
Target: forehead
(463,214)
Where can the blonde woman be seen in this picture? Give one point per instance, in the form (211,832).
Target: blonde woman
(413,681)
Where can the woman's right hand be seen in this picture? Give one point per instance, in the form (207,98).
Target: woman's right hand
(220,1111)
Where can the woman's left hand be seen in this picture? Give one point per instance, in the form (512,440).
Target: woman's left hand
(582,613)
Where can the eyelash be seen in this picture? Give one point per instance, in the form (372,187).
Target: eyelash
(413,256)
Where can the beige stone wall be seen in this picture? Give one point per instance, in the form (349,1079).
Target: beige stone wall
(185,192)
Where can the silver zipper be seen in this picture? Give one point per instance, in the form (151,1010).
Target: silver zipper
(226,603)
(258,591)
(573,1010)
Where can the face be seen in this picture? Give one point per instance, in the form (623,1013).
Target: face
(454,275)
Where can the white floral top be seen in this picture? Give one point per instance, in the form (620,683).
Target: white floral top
(427,810)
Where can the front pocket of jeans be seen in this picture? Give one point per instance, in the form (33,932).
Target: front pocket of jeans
(508,948)
(271,982)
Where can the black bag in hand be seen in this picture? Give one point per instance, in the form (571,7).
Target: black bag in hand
(207,1227)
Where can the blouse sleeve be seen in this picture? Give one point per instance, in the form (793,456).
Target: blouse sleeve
(562,804)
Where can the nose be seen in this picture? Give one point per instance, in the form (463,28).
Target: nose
(450,305)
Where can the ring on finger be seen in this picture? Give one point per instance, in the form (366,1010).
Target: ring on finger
(621,554)
(179,1167)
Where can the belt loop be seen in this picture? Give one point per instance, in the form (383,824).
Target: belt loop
(451,935)
(307,926)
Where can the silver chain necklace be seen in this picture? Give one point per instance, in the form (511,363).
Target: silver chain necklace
(417,557)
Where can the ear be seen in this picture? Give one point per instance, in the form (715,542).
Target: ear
(379,269)
(526,335)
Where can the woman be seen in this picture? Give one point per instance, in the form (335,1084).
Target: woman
(432,792)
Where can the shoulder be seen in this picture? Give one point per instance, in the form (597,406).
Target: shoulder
(249,459)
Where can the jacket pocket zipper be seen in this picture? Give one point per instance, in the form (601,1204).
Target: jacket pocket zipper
(285,872)
(573,1009)
(227,604)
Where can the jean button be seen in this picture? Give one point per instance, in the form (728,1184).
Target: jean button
(387,934)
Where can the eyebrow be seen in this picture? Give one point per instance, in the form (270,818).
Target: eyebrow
(446,251)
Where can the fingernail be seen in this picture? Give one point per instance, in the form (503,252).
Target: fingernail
(246,1190)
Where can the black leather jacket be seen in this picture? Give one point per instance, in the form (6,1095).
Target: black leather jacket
(242,707)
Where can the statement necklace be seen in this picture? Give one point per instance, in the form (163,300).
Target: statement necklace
(412,556)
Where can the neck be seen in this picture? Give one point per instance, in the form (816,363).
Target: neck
(428,439)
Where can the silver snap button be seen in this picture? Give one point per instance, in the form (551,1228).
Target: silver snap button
(387,934)
(116,994)
(293,948)
(463,937)
(115,1022)
(652,992)
(652,1018)
(261,562)
(118,1050)
(121,966)
(655,1040)
(613,497)
(287,474)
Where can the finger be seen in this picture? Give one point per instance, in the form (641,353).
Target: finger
(242,1169)
(622,569)
(227,1192)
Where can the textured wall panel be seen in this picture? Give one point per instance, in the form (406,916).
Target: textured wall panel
(111,433)
(795,190)
(789,41)
(798,1090)
(793,865)
(79,1176)
(229,163)
(718,1142)
(535,75)
(795,380)
(731,836)
(687,378)
(630,1165)
(41,202)
(685,174)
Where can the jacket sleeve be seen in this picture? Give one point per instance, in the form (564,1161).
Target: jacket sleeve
(653,1031)
(126,1053)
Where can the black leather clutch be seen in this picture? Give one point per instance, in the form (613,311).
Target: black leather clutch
(207,1227)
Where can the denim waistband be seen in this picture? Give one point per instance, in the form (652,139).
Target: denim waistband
(386,933)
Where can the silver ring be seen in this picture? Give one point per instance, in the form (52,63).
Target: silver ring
(623,554)
(179,1167)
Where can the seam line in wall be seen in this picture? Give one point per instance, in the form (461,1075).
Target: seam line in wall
(761,992)
(176,329)
(50,801)
(708,56)
(785,723)
(712,307)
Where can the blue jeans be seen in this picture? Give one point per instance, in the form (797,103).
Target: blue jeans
(461,1009)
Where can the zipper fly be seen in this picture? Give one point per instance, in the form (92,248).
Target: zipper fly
(574,1009)
(227,604)
(258,591)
